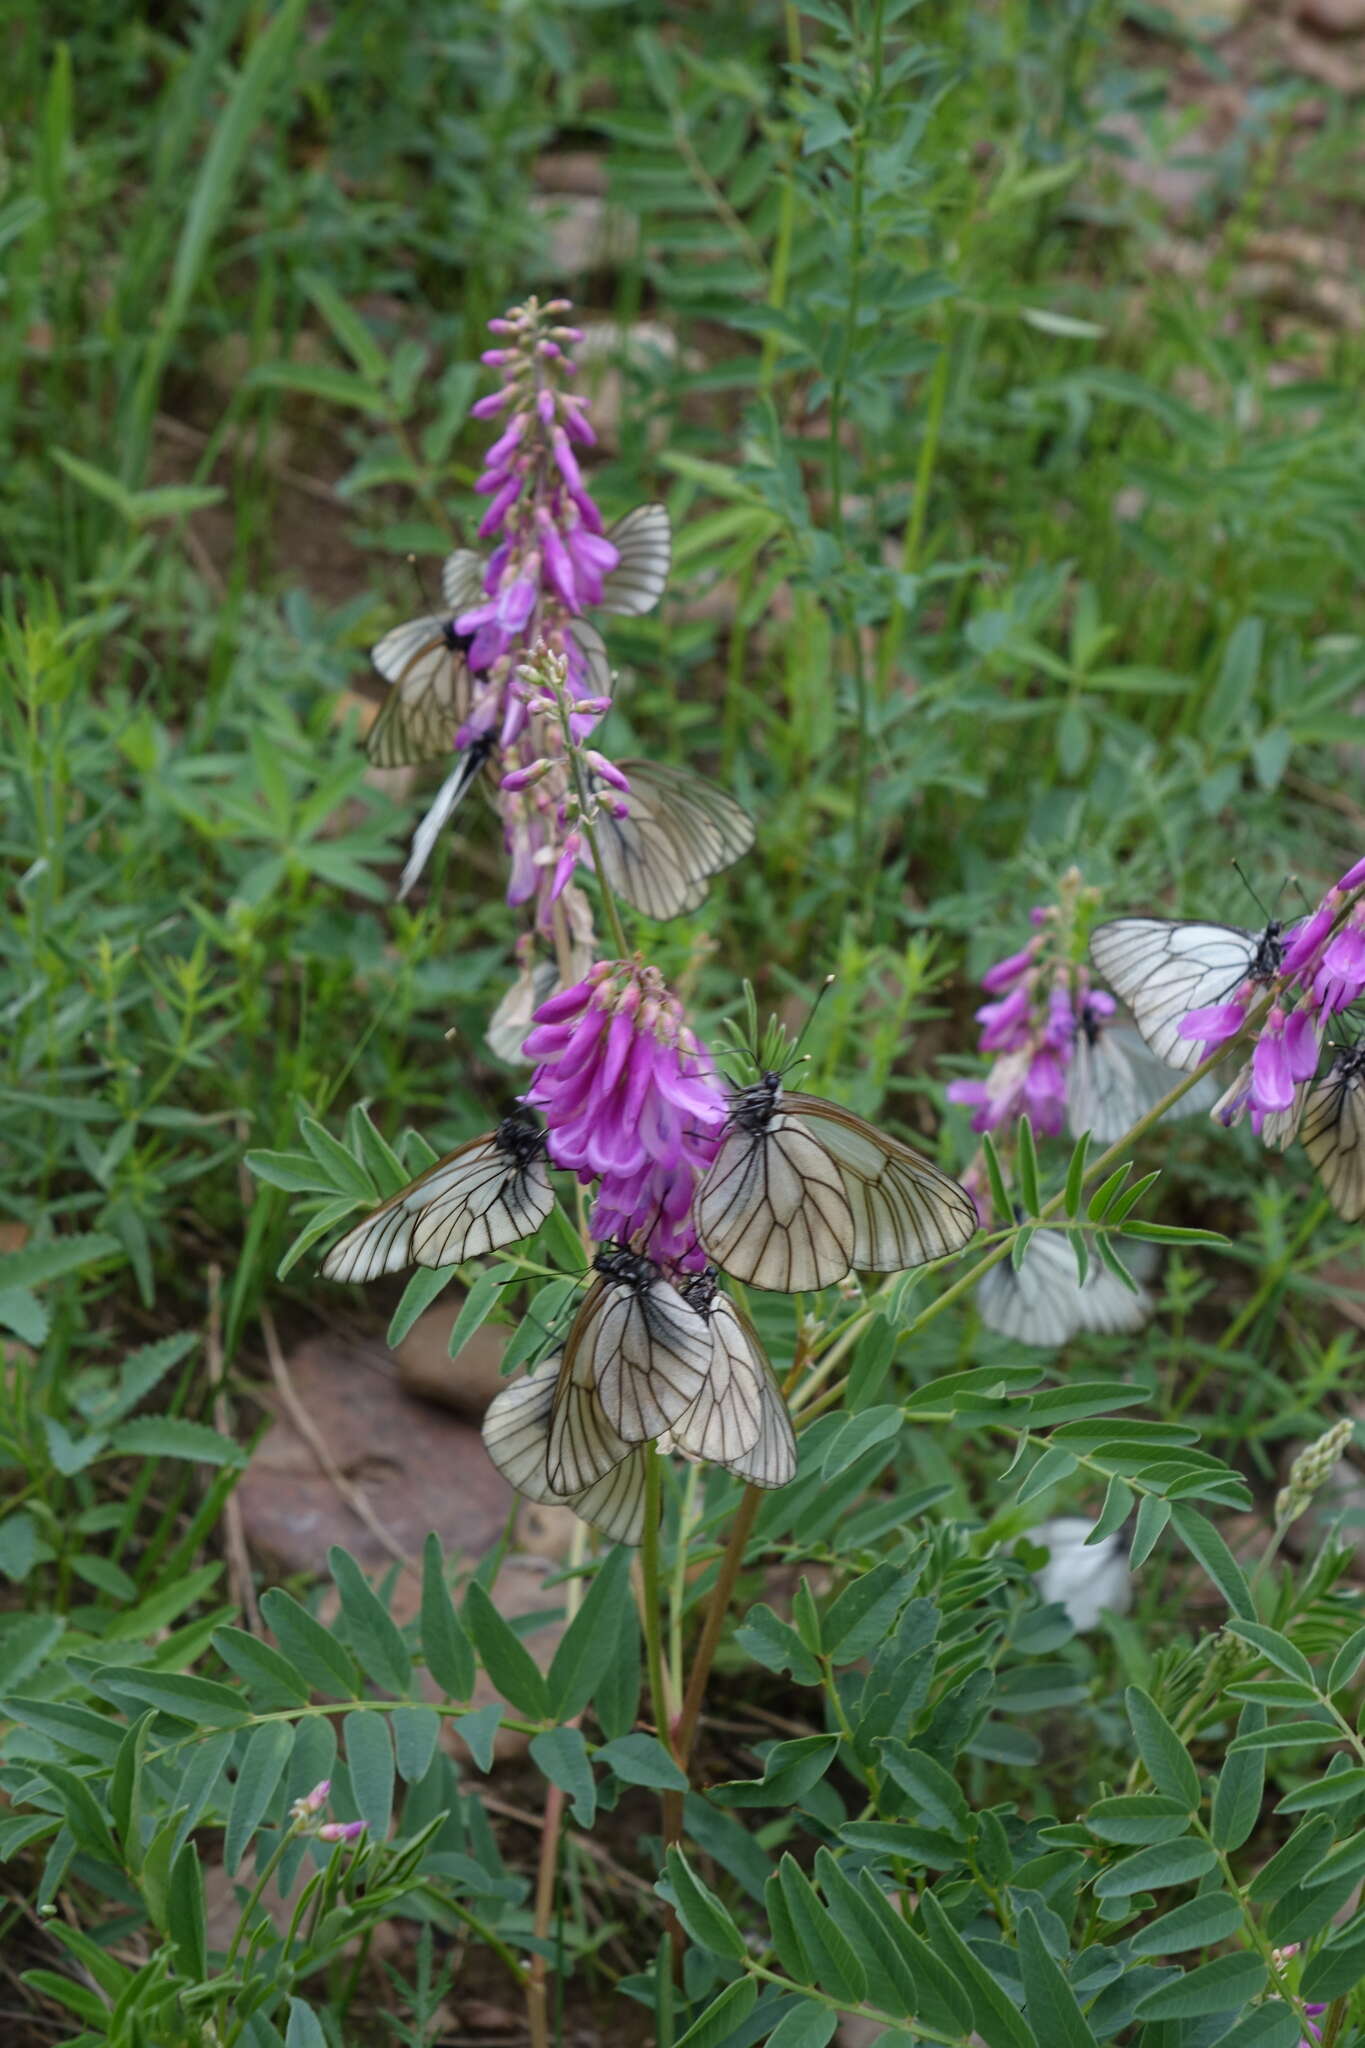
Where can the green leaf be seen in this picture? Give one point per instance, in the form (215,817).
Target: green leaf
(369,1759)
(479,1304)
(1328,1791)
(1075,1175)
(480,1731)
(320,380)
(722,2015)
(1026,1168)
(578,1663)
(1287,1735)
(1138,1819)
(1339,1967)
(1275,1648)
(1220,1986)
(790,1769)
(38,1263)
(270,1679)
(450,1660)
(1293,1861)
(562,1754)
(346,324)
(1152,1516)
(642,1760)
(1199,1923)
(1053,2012)
(934,1790)
(1347,1662)
(939,1996)
(305,2028)
(505,1657)
(186,1918)
(422,1289)
(707,1922)
(806,2026)
(1240,1789)
(258,1775)
(859,1619)
(1208,1549)
(416,1731)
(775,1645)
(854,1436)
(320,1659)
(1163,1754)
(368,1626)
(200,1701)
(997,2019)
(1152,1869)
(89,1828)
(829,1953)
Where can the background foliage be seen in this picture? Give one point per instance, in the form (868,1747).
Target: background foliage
(1010,536)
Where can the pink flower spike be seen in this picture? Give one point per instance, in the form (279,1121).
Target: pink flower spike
(565,865)
(1002,1022)
(1213,1025)
(524,778)
(566,461)
(1353,877)
(1302,1044)
(545,407)
(489,407)
(1341,977)
(500,507)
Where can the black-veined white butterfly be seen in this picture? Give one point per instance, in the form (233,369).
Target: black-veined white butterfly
(1163,970)
(739,1419)
(1113,1080)
(1041,1302)
(680,830)
(516,1432)
(424,663)
(442,809)
(802,1191)
(489,1192)
(1333,1132)
(644,542)
(635,1360)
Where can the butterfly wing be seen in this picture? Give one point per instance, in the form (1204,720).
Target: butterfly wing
(772,1210)
(644,542)
(680,830)
(1333,1136)
(1162,970)
(444,805)
(429,696)
(582,1446)
(1113,1080)
(905,1209)
(1039,1301)
(592,648)
(1107,1306)
(462,581)
(652,1356)
(726,1418)
(516,1433)
(477,1198)
(771,1461)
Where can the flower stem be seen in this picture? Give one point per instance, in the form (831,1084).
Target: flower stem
(651,1603)
(685,1727)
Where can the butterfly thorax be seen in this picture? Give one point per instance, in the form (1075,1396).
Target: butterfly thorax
(1348,1068)
(699,1290)
(628,1268)
(752,1109)
(1269,954)
(521,1134)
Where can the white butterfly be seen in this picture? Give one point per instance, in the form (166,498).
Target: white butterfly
(679,831)
(644,542)
(1333,1132)
(739,1419)
(1113,1081)
(1163,970)
(636,1358)
(442,808)
(516,1432)
(489,1192)
(1042,1302)
(425,664)
(802,1191)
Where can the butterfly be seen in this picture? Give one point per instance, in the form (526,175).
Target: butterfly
(443,807)
(1163,970)
(1333,1132)
(489,1192)
(516,1433)
(680,830)
(644,544)
(425,663)
(802,1191)
(636,1358)
(739,1419)
(1041,1302)
(1113,1081)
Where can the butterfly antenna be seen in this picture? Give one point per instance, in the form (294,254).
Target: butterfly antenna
(416,569)
(795,1056)
(1251,892)
(1293,882)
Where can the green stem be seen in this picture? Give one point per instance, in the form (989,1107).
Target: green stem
(651,1603)
(685,1727)
(1270,1280)
(919,511)
(786,219)
(263,1878)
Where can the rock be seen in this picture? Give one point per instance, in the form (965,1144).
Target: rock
(419,1468)
(571,170)
(466,1383)
(583,234)
(1333,17)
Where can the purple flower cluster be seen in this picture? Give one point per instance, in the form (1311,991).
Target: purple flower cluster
(1030,1028)
(1321,972)
(631,1101)
(551,553)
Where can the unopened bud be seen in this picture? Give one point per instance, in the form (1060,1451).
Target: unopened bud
(591,707)
(523,778)
(1311,1469)
(608,770)
(341,1831)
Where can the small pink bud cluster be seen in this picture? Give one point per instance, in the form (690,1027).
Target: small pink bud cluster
(304,1812)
